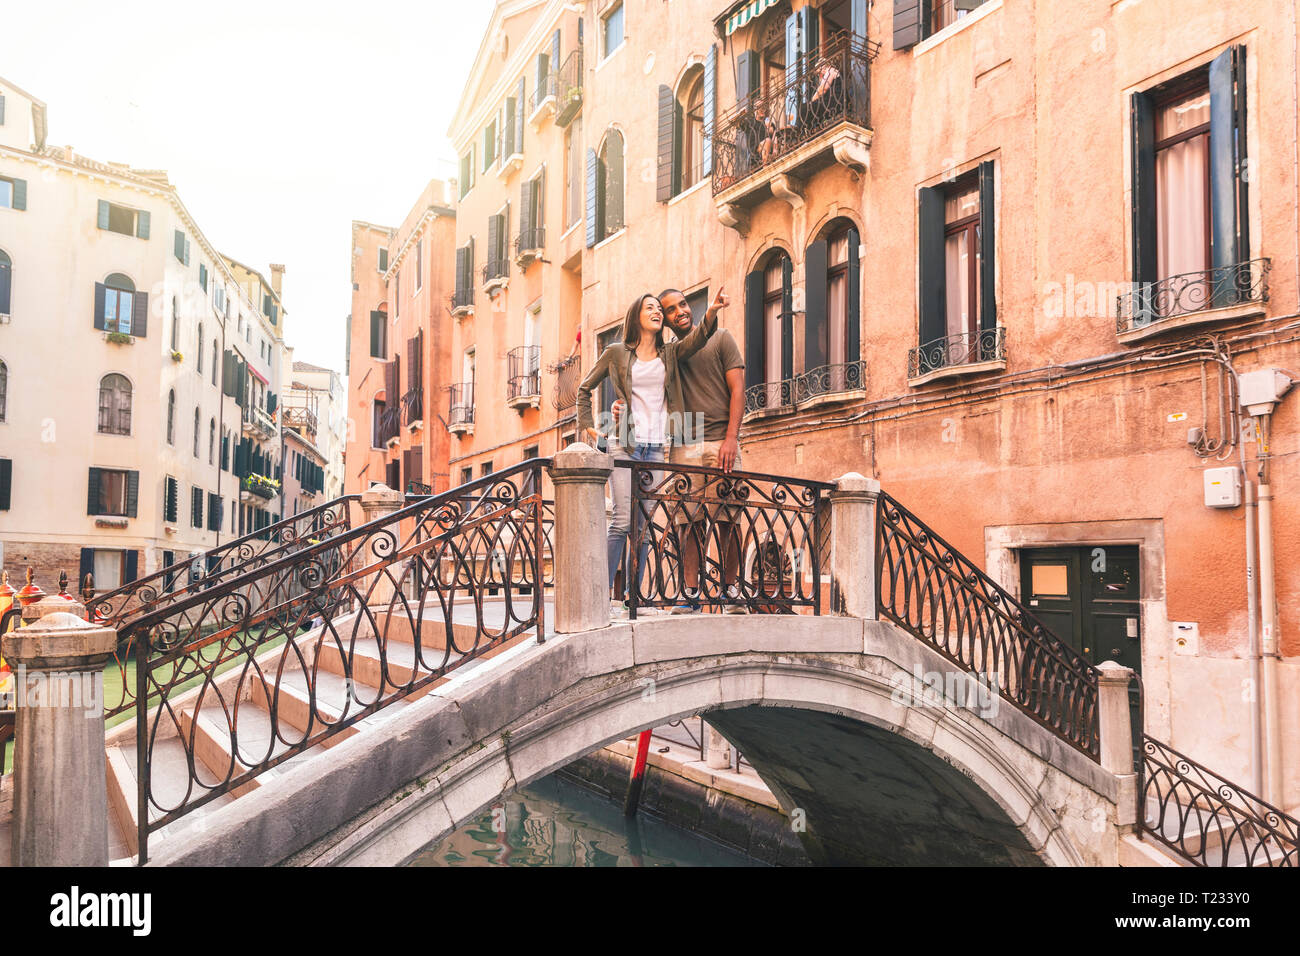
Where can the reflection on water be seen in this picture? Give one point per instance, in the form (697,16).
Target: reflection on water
(554,822)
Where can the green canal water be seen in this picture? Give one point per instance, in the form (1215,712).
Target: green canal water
(555,822)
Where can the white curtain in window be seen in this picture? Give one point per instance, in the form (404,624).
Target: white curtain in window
(108,570)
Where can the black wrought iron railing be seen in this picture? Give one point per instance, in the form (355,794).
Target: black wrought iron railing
(966,348)
(324,637)
(496,269)
(823,382)
(937,595)
(390,423)
(769,395)
(462,298)
(413,405)
(548,88)
(1207,820)
(530,240)
(525,372)
(418,488)
(1152,302)
(568,376)
(460,404)
(260,485)
(819,92)
(569,81)
(701,536)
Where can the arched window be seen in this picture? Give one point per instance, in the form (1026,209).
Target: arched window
(198,348)
(609,185)
(691,103)
(171,417)
(4,389)
(214,361)
(6,281)
(114,405)
(119,303)
(769,336)
(212,441)
(832,286)
(377,420)
(196,431)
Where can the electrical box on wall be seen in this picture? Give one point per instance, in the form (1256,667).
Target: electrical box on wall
(1222,487)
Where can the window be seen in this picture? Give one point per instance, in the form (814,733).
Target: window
(532,210)
(13,193)
(124,220)
(113,492)
(196,432)
(612,30)
(466,475)
(605,189)
(114,405)
(215,352)
(464,292)
(498,261)
(383,260)
(573,173)
(467,172)
(531,452)
(4,389)
(685,154)
(6,282)
(106,566)
(171,417)
(215,506)
(957,307)
(379,333)
(485,469)
(914,21)
(119,308)
(769,336)
(181,247)
(947,12)
(6,482)
(218,296)
(199,348)
(832,286)
(377,422)
(212,442)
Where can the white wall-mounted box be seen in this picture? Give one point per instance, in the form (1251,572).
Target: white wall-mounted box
(1222,487)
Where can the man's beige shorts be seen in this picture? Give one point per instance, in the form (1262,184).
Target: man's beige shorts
(704,454)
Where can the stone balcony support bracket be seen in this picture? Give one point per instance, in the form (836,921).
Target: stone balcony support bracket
(789,188)
(734,217)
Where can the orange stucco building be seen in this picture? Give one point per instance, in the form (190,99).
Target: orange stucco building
(1015,265)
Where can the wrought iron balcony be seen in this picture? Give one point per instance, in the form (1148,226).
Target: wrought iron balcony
(569,89)
(962,351)
(258,421)
(260,485)
(524,384)
(798,125)
(418,488)
(496,270)
(1192,295)
(460,407)
(568,376)
(769,395)
(413,406)
(529,244)
(390,425)
(824,383)
(549,89)
(462,301)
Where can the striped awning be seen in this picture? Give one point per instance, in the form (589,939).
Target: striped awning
(746,12)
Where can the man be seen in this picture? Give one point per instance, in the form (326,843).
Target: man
(713,392)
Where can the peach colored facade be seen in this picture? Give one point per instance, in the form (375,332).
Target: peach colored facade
(1071,430)
(400,287)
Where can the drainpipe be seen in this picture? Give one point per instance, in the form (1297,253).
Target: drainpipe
(1252,624)
(1268,618)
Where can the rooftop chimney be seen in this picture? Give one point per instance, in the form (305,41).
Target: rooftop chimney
(277,276)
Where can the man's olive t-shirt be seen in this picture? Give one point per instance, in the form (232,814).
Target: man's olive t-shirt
(704,385)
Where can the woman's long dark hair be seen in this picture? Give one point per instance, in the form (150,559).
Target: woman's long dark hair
(632,324)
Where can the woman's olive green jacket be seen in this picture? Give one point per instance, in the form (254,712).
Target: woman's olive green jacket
(616,362)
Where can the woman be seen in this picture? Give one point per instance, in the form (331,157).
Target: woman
(644,371)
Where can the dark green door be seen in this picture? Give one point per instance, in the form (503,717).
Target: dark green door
(1088,596)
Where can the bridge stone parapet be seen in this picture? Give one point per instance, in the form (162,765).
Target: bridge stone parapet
(850,722)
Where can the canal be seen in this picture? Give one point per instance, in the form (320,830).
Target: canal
(556,822)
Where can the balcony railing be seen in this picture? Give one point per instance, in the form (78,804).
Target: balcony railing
(460,405)
(568,376)
(525,379)
(1219,288)
(568,80)
(496,269)
(826,381)
(967,348)
(824,90)
(545,90)
(529,241)
(390,424)
(300,417)
(257,419)
(413,405)
(462,299)
(260,485)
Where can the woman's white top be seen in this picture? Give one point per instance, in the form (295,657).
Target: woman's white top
(649,408)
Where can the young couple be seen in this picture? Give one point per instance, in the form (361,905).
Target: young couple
(687,394)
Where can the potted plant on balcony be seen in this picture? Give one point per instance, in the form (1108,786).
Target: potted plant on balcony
(177,357)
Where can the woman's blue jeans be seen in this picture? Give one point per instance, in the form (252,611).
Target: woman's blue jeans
(621,490)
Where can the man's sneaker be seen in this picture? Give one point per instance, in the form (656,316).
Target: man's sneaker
(618,609)
(690,603)
(735,601)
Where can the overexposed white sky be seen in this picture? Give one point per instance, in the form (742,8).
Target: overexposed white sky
(279,122)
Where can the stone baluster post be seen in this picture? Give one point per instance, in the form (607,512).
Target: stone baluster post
(579,473)
(717,752)
(853,544)
(1115,726)
(60,815)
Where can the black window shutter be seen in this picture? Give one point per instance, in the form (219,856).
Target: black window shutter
(665,187)
(20,194)
(930,256)
(92,493)
(710,106)
(140,315)
(87,564)
(131,566)
(853,343)
(909,22)
(592,206)
(132,493)
(1142,120)
(6,273)
(755,369)
(1227,159)
(172,503)
(6,482)
(787,318)
(100,290)
(815,326)
(988,242)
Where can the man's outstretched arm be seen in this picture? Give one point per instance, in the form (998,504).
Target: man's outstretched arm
(730,447)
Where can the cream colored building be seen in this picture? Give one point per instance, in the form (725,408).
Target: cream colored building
(321,393)
(136,368)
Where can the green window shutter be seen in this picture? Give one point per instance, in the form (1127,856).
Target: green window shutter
(20,193)
(101,291)
(755,368)
(131,566)
(142,224)
(815,325)
(178,245)
(92,493)
(988,234)
(1143,187)
(103,214)
(1229,228)
(494,239)
(666,157)
(464,175)
(140,315)
(187,252)
(6,482)
(203,277)
(910,17)
(931,267)
(853,346)
(710,106)
(132,493)
(592,205)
